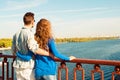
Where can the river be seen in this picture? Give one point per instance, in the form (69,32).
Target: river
(100,49)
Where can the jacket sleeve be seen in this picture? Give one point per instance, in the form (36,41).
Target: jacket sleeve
(53,49)
(32,43)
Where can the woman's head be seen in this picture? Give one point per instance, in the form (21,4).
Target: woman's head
(43,33)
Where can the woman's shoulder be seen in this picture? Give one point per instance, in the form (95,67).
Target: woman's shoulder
(50,41)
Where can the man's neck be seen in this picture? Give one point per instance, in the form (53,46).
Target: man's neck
(28,26)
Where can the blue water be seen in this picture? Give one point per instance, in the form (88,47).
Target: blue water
(101,49)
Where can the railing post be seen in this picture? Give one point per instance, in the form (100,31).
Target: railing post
(3,70)
(4,62)
(62,66)
(12,72)
(5,67)
(79,67)
(97,69)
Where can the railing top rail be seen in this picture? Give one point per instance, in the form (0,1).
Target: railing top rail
(6,56)
(79,60)
(93,61)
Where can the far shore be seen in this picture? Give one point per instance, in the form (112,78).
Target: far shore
(8,48)
(5,43)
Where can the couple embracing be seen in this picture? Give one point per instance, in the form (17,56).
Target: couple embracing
(35,52)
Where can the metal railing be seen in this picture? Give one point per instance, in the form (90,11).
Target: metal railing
(78,62)
(5,64)
(97,69)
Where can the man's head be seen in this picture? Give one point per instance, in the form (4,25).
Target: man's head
(28,18)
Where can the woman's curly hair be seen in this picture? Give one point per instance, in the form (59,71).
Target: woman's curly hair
(43,33)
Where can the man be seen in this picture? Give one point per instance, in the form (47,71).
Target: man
(24,43)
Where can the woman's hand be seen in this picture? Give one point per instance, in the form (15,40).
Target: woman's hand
(72,57)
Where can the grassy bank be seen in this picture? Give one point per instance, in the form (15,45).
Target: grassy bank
(83,39)
(7,42)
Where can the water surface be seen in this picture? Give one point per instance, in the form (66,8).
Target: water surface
(101,49)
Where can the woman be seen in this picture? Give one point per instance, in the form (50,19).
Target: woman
(45,66)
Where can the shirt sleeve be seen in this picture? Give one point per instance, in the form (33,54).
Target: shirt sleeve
(32,44)
(53,49)
(13,46)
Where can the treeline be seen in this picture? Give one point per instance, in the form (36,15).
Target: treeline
(7,42)
(83,39)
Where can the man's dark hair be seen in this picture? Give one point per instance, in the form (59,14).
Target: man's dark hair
(28,18)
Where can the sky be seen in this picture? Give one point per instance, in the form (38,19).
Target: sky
(69,18)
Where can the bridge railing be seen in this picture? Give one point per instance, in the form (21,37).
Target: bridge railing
(6,70)
(96,69)
(6,67)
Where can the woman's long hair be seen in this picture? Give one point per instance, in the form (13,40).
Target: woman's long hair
(43,33)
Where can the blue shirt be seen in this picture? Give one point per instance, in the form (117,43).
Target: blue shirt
(45,65)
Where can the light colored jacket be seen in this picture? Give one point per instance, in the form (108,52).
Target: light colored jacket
(23,41)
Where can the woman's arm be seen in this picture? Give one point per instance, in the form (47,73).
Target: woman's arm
(25,57)
(53,49)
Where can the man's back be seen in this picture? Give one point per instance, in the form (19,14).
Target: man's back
(20,40)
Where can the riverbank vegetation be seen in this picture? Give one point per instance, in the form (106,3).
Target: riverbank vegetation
(83,39)
(7,42)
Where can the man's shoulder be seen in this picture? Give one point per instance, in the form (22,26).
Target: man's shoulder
(17,32)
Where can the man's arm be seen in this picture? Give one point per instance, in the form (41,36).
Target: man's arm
(34,47)
(13,48)
(43,52)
